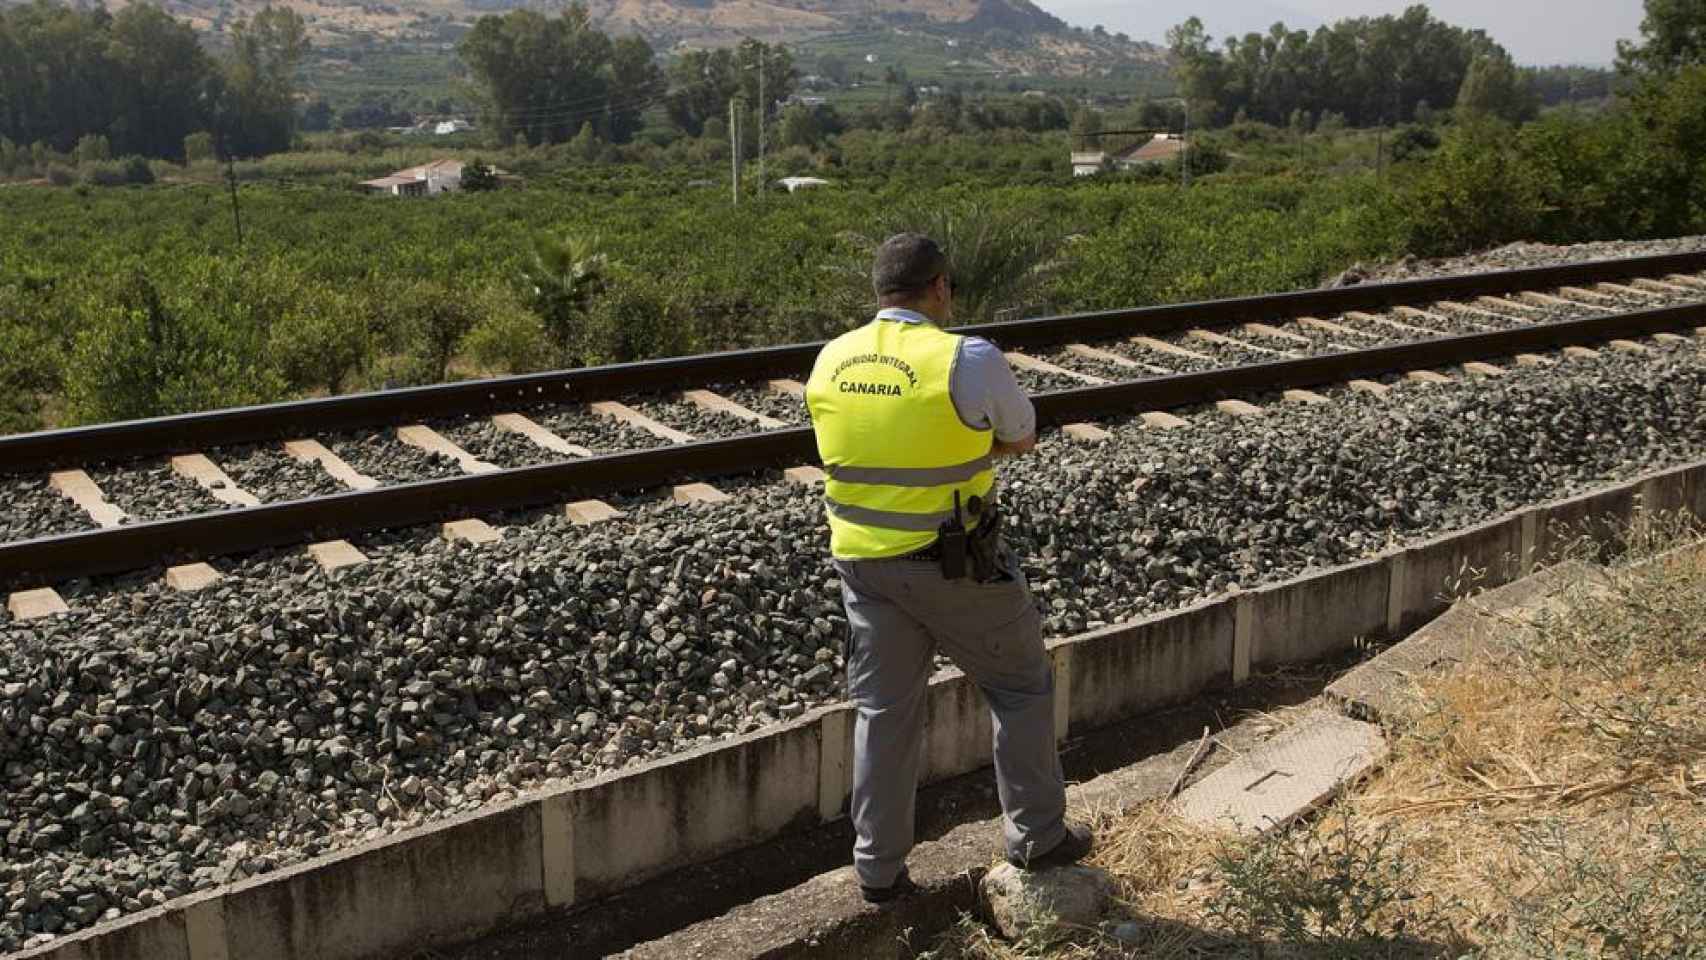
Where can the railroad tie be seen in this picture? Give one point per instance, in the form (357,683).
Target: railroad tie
(1359,317)
(1627,346)
(1307,397)
(1427,377)
(1024,361)
(623,413)
(426,438)
(688,494)
(1263,330)
(805,476)
(540,435)
(1669,338)
(1370,387)
(1532,360)
(1159,420)
(35,604)
(1683,279)
(1086,432)
(1337,329)
(1547,300)
(313,451)
(1479,369)
(1660,286)
(191,577)
(717,403)
(209,477)
(788,388)
(335,555)
(1496,304)
(1238,408)
(81,489)
(470,530)
(1580,353)
(1593,299)
(1620,289)
(1163,347)
(585,513)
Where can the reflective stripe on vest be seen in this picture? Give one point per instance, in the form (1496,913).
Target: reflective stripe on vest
(892,444)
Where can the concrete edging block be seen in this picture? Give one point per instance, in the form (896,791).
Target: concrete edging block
(835,760)
(1122,671)
(1318,615)
(158,933)
(1599,516)
(1668,491)
(958,734)
(632,825)
(455,879)
(1436,572)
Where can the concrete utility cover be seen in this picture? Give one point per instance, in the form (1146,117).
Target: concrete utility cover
(1287,776)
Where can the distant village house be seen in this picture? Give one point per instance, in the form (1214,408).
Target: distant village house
(427,180)
(1157,150)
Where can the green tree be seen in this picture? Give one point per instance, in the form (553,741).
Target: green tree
(170,82)
(92,148)
(543,78)
(586,145)
(636,83)
(478,177)
(141,353)
(258,107)
(1087,129)
(1673,35)
(1477,191)
(1494,87)
(799,127)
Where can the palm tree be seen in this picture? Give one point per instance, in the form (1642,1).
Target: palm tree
(997,258)
(562,274)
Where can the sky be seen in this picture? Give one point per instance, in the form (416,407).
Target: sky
(1534,31)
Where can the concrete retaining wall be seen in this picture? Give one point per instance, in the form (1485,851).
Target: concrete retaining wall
(1123,671)
(472,874)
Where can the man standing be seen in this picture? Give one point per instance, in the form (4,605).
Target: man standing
(909,419)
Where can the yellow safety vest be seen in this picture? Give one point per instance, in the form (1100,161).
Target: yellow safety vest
(894,447)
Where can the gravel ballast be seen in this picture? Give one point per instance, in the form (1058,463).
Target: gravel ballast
(272,475)
(30,508)
(595,431)
(154,743)
(152,490)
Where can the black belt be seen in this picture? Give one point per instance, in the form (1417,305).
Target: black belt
(930,553)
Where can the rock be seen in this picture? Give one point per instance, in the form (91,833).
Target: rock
(1021,901)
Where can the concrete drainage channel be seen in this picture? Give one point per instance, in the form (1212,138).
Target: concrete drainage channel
(569,847)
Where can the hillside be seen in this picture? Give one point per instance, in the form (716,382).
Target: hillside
(988,37)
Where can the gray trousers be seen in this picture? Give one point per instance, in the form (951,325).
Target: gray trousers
(899,612)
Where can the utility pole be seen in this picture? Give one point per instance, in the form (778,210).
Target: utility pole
(1185,151)
(231,179)
(763,114)
(734,151)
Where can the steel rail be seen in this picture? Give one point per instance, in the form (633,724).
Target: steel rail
(51,559)
(200,431)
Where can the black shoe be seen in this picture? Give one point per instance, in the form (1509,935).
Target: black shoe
(901,887)
(1072,848)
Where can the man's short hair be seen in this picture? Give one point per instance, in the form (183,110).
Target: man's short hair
(906,263)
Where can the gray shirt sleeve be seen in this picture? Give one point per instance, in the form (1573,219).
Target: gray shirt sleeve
(986,394)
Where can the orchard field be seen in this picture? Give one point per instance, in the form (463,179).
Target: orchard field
(120,302)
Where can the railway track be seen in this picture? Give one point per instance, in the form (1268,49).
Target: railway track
(117,497)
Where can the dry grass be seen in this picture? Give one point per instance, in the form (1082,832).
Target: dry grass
(1549,801)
